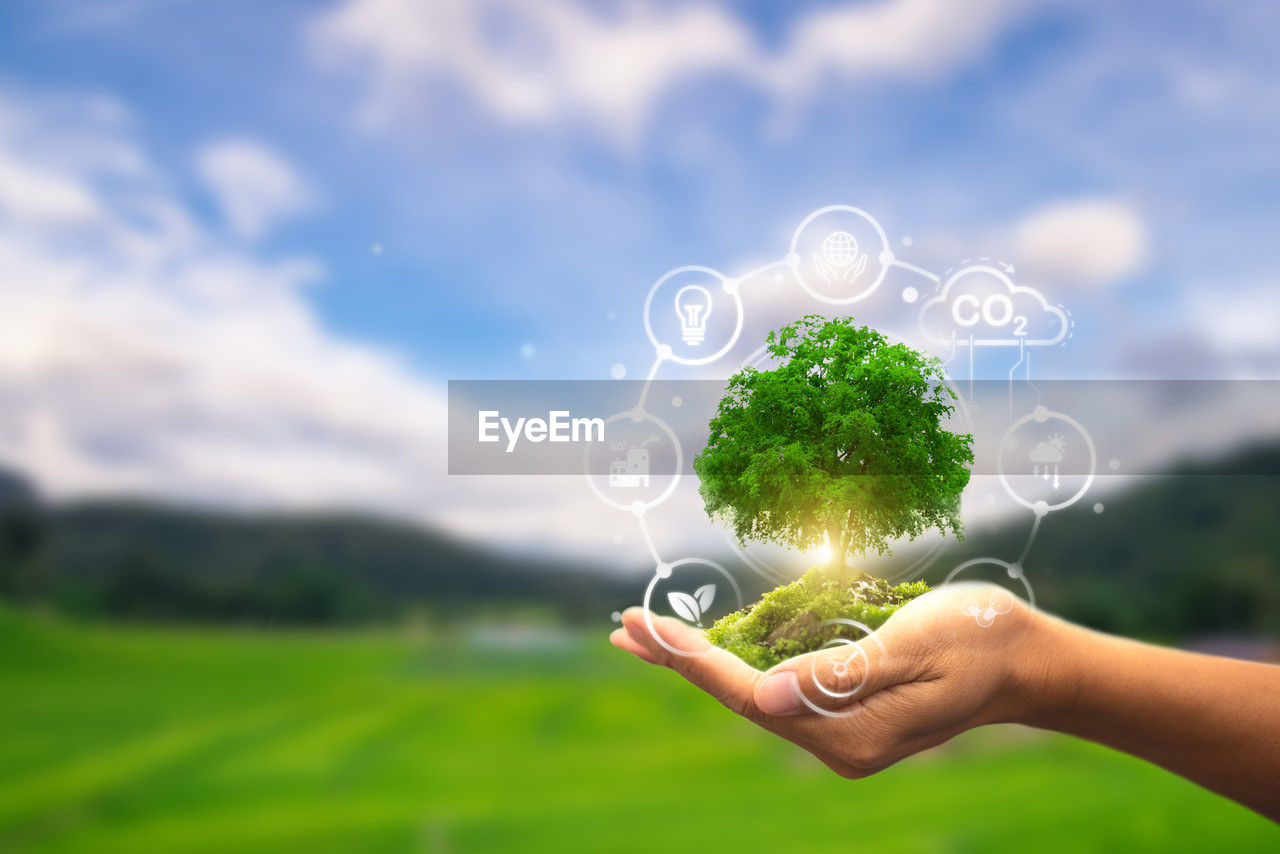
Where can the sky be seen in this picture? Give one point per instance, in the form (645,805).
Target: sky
(244,246)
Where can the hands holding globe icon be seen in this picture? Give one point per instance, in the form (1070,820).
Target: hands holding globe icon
(840,260)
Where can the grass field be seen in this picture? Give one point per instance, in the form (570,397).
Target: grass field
(181,740)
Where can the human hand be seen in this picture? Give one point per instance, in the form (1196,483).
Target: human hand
(951,660)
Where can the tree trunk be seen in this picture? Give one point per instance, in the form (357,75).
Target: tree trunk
(836,543)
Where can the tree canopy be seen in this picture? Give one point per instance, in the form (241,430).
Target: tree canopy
(843,442)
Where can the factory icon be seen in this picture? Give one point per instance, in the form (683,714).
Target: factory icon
(631,471)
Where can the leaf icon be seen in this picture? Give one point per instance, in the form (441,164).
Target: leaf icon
(705,595)
(684,605)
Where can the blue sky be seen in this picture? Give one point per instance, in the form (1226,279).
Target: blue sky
(495,229)
(526,169)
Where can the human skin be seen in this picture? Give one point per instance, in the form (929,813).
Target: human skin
(1213,720)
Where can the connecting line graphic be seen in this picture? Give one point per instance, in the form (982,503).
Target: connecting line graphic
(1022,357)
(772,265)
(971,355)
(1031,538)
(838,254)
(896,262)
(648,540)
(1033,386)
(954,351)
(648,381)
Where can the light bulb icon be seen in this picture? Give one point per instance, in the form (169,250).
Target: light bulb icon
(693,307)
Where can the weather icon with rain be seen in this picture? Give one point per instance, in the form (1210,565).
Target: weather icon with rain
(1046,457)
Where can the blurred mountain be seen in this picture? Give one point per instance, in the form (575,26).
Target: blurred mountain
(1193,552)
(153,561)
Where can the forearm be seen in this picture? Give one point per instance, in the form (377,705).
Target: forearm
(1212,720)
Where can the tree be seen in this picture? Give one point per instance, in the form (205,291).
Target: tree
(843,442)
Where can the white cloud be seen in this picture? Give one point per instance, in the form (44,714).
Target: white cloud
(36,195)
(255,187)
(892,37)
(142,354)
(1094,242)
(145,355)
(1239,321)
(559,59)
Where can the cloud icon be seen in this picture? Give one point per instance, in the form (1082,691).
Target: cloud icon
(1045,452)
(980,305)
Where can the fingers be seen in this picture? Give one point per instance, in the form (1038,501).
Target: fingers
(777,706)
(624,642)
(685,650)
(721,674)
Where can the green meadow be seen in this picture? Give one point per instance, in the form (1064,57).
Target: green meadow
(185,740)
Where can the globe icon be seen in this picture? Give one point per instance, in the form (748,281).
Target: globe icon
(839,248)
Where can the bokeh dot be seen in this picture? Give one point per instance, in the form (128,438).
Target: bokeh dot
(907,241)
(618,371)
(616,617)
(528,351)
(1097,508)
(910,294)
(677,401)
(1114,464)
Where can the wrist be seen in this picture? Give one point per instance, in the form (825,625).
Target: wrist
(1047,671)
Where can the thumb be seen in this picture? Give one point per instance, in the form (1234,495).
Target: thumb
(835,680)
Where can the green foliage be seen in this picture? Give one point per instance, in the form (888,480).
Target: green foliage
(843,442)
(795,610)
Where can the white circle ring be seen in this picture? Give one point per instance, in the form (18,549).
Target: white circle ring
(840,695)
(1004,440)
(737,299)
(884,247)
(666,493)
(653,582)
(994,561)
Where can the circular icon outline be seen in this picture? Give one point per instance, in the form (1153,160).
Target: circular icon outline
(880,256)
(672,567)
(1041,414)
(884,652)
(724,285)
(644,506)
(1013,570)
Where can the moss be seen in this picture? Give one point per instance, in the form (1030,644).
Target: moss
(787,621)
